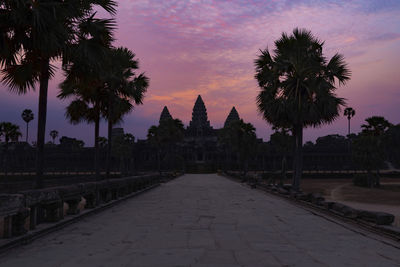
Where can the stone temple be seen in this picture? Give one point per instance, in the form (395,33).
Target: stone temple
(200,150)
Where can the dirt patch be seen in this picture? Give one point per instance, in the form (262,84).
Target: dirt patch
(386,198)
(343,189)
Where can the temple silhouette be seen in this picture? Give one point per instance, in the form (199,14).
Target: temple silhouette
(200,149)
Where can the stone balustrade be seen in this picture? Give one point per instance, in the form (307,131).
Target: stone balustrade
(24,211)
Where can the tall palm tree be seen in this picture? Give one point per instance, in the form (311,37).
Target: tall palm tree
(349,112)
(10,132)
(27,116)
(53,135)
(84,79)
(125,88)
(33,35)
(298,87)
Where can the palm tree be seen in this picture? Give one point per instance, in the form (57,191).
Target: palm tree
(84,79)
(349,112)
(27,116)
(53,135)
(125,89)
(34,34)
(10,132)
(373,132)
(297,87)
(376,125)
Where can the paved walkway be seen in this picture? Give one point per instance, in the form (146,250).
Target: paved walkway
(204,220)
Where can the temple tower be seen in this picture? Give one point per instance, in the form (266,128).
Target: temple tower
(199,125)
(165,115)
(233,116)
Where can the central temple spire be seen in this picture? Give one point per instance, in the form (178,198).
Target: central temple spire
(199,114)
(199,125)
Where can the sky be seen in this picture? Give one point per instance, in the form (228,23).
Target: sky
(208,47)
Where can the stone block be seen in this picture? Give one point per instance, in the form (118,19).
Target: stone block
(316,198)
(10,204)
(345,210)
(282,191)
(379,218)
(41,196)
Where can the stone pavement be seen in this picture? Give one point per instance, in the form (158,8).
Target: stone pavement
(204,220)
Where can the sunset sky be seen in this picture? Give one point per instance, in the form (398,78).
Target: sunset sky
(189,47)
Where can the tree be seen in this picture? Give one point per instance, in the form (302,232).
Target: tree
(27,116)
(391,140)
(298,87)
(376,125)
(125,88)
(367,152)
(349,112)
(122,148)
(10,132)
(164,136)
(241,138)
(84,80)
(282,141)
(71,143)
(33,35)
(372,137)
(85,84)
(53,135)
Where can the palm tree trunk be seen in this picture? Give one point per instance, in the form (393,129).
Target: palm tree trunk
(349,126)
(108,165)
(298,157)
(96,148)
(348,137)
(44,83)
(5,157)
(283,170)
(378,178)
(27,131)
(294,133)
(246,167)
(110,125)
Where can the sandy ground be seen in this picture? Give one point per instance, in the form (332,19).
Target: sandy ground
(386,199)
(205,220)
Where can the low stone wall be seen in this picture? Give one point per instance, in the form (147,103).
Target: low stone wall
(376,218)
(23,211)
